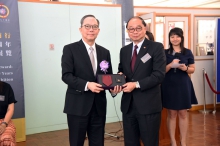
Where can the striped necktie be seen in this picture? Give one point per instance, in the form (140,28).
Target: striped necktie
(134,57)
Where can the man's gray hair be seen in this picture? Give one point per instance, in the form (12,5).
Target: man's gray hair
(84,17)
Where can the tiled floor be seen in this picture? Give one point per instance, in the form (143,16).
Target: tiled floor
(203,130)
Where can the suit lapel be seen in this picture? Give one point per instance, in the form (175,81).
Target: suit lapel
(85,55)
(99,57)
(129,56)
(141,53)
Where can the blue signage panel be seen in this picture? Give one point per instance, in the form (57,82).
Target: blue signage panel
(218,59)
(10,52)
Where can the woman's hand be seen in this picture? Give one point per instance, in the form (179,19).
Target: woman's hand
(6,142)
(170,65)
(175,61)
(182,67)
(2,128)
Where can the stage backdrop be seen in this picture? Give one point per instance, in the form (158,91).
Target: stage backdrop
(217,57)
(10,59)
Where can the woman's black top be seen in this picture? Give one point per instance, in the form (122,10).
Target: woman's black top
(6,97)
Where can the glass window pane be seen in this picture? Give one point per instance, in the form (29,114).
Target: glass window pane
(176,24)
(205,39)
(148,23)
(160,33)
(159,19)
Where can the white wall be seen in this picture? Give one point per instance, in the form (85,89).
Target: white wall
(42,24)
(200,61)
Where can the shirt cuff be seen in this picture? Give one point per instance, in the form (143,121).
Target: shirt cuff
(137,85)
(86,87)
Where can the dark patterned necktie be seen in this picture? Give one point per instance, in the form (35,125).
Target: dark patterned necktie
(134,57)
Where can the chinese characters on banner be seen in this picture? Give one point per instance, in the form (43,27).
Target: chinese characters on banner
(10,52)
(5,51)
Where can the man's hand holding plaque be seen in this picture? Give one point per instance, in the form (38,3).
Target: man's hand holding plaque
(112,82)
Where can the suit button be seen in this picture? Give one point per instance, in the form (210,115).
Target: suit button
(132,79)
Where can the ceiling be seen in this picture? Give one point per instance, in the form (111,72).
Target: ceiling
(179,3)
(160,3)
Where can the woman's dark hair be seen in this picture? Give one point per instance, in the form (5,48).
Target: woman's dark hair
(150,35)
(1,86)
(179,32)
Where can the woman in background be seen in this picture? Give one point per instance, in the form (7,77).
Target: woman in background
(7,128)
(177,89)
(149,36)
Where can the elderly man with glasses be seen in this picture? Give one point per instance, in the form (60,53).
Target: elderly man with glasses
(143,62)
(85,103)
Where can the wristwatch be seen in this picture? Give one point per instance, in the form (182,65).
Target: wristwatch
(6,124)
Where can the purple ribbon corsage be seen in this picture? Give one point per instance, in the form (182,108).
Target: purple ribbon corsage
(104,66)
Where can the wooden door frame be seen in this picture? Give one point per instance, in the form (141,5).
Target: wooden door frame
(174,15)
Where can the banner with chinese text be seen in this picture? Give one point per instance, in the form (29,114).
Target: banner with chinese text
(10,52)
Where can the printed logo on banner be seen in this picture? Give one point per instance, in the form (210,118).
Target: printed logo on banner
(4,13)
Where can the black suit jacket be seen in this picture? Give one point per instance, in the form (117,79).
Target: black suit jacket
(76,72)
(149,75)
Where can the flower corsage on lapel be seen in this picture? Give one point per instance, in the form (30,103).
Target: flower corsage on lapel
(106,79)
(104,65)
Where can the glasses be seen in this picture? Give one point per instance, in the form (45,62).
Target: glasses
(94,27)
(138,29)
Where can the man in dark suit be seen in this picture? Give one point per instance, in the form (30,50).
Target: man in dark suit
(143,63)
(85,103)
